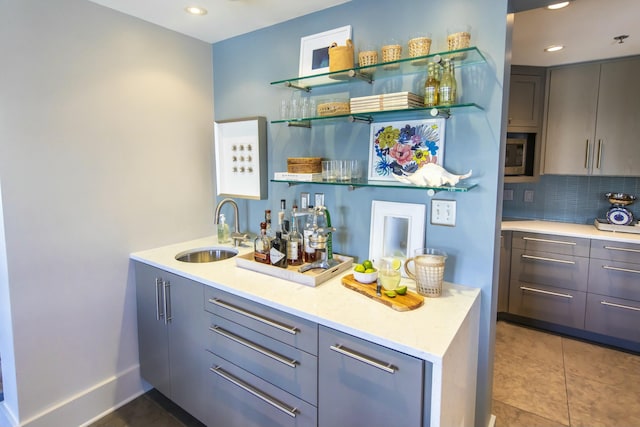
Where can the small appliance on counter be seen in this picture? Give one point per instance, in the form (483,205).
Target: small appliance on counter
(619,217)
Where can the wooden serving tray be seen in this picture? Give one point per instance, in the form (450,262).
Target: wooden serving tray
(406,302)
(309,278)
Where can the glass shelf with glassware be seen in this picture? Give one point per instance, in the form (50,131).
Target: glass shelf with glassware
(352,185)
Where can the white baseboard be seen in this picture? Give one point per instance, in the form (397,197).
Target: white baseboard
(92,403)
(492,421)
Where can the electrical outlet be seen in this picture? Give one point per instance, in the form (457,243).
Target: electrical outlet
(507,195)
(443,212)
(528,196)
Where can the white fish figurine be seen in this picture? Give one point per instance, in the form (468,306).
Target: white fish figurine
(431,175)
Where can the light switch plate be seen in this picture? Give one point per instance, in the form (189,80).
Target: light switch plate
(443,212)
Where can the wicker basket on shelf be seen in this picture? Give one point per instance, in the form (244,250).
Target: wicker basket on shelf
(333,108)
(367,57)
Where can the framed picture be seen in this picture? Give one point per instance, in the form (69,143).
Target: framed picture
(404,146)
(397,230)
(314,50)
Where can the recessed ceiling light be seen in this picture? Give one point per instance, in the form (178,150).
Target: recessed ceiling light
(196,10)
(554,48)
(558,5)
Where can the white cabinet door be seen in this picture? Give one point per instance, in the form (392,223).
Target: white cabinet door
(571,120)
(617,150)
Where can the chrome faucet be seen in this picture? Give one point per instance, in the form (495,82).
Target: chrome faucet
(237,236)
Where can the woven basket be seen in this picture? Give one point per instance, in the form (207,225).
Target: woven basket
(419,46)
(391,52)
(340,57)
(333,108)
(367,57)
(304,164)
(459,40)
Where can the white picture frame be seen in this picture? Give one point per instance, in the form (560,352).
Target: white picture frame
(397,230)
(314,50)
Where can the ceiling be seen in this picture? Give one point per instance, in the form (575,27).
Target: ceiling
(586,28)
(225,18)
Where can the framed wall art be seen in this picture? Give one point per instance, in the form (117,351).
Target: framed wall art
(404,146)
(314,50)
(397,230)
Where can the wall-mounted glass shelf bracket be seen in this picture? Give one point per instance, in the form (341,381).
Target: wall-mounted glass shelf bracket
(302,123)
(352,185)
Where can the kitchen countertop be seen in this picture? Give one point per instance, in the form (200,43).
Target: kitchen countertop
(588,231)
(425,332)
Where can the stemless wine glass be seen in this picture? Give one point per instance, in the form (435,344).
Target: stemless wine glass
(388,276)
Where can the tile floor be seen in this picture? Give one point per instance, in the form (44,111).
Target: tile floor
(545,380)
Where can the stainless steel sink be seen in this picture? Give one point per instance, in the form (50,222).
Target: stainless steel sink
(206,255)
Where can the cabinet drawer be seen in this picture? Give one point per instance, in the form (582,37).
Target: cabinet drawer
(615,251)
(285,366)
(555,305)
(361,383)
(615,317)
(241,399)
(281,326)
(551,243)
(616,279)
(562,271)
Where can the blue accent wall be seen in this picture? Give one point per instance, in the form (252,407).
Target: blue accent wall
(576,199)
(244,66)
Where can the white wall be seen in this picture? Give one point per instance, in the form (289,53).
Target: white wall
(105,148)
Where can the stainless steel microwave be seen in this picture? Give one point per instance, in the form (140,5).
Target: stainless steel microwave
(515,159)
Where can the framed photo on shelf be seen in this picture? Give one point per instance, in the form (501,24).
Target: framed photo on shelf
(404,146)
(314,50)
(397,230)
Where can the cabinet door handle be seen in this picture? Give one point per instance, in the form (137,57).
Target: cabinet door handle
(560,242)
(286,328)
(387,367)
(253,346)
(540,258)
(166,294)
(626,307)
(626,270)
(159,303)
(540,291)
(615,248)
(291,411)
(600,144)
(586,154)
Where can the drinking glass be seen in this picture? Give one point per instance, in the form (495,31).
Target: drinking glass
(388,276)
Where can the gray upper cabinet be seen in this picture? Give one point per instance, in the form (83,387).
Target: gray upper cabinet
(525,101)
(593,119)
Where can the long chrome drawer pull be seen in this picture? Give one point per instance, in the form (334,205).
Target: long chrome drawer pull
(626,307)
(350,353)
(257,393)
(540,291)
(159,305)
(166,294)
(539,258)
(233,337)
(626,270)
(615,248)
(560,242)
(286,328)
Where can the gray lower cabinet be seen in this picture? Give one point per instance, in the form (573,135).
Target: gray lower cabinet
(505,272)
(549,278)
(170,336)
(364,384)
(613,303)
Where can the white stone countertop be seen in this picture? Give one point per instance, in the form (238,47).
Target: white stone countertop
(426,332)
(588,231)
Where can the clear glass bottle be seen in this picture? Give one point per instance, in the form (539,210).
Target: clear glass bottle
(295,244)
(454,84)
(278,252)
(271,234)
(310,254)
(446,85)
(223,230)
(283,222)
(431,86)
(262,246)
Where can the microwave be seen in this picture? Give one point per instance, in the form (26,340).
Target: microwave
(515,159)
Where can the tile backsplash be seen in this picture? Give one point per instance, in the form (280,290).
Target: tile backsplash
(576,199)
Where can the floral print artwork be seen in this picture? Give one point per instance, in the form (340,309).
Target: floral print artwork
(404,147)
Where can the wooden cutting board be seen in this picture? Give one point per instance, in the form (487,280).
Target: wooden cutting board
(409,301)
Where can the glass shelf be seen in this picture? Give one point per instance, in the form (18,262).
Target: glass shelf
(459,188)
(462,58)
(370,116)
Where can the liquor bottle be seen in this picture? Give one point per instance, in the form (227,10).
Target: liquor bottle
(310,254)
(278,252)
(271,234)
(446,85)
(283,222)
(262,246)
(454,84)
(431,86)
(295,244)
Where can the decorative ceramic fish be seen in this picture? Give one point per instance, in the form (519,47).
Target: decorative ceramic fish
(431,175)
